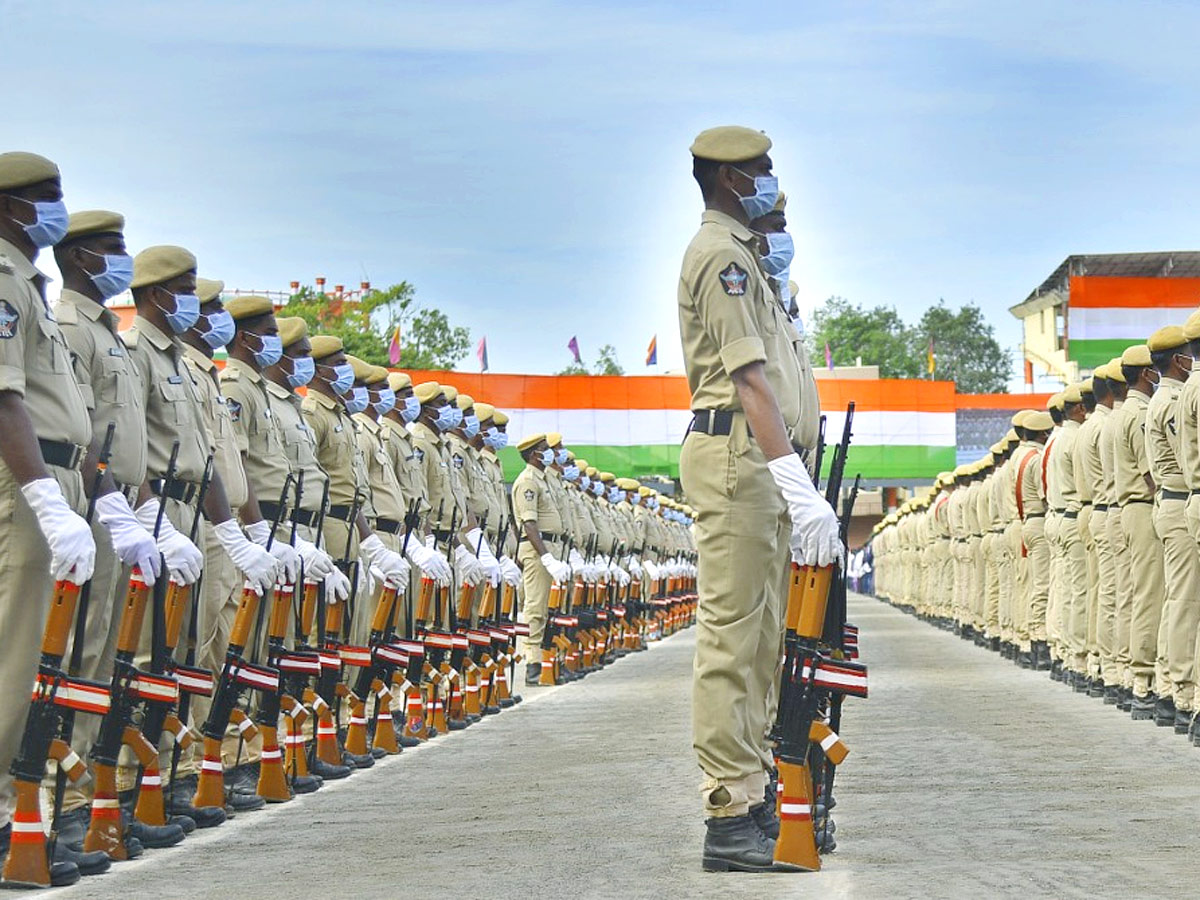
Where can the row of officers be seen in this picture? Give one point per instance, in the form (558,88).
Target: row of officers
(402,478)
(1073,545)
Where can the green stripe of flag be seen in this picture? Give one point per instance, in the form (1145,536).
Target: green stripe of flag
(1092,353)
(871,461)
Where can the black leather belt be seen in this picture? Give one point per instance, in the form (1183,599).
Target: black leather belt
(1138,500)
(1102,507)
(60,454)
(441,534)
(1085,502)
(713,421)
(388,526)
(340,511)
(183,491)
(1174,495)
(269,509)
(550,536)
(1059,509)
(1070,514)
(1040,515)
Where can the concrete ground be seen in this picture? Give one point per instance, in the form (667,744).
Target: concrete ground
(967,777)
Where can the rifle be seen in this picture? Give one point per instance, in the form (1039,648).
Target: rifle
(312,611)
(237,674)
(550,662)
(416,723)
(57,694)
(820,451)
(169,600)
(128,688)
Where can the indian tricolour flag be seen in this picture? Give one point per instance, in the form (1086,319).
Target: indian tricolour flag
(634,425)
(1108,314)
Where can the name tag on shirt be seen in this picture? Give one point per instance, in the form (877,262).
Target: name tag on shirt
(115,351)
(175,379)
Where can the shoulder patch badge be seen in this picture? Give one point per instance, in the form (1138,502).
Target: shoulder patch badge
(458,461)
(8,320)
(529,495)
(733,280)
(235,410)
(419,455)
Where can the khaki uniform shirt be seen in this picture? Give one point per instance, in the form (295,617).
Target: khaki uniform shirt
(34,360)
(1049,467)
(174,402)
(532,502)
(337,446)
(108,381)
(1162,436)
(227,459)
(464,464)
(299,444)
(1089,472)
(386,496)
(1129,449)
(410,475)
(1064,461)
(434,458)
(1028,482)
(1187,422)
(256,432)
(1108,443)
(730,317)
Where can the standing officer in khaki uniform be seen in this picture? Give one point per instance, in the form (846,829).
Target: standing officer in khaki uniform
(1181,567)
(1031,504)
(1122,597)
(1092,486)
(95,267)
(1135,494)
(1073,580)
(539,517)
(744,378)
(1187,422)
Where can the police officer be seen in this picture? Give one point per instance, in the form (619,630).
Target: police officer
(744,379)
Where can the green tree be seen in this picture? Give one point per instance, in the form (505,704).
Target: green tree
(606,362)
(365,324)
(575,368)
(879,336)
(965,349)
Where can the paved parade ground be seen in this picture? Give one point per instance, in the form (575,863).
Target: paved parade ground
(968,778)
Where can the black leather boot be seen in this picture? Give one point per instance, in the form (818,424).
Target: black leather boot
(766,820)
(1141,709)
(736,844)
(1164,712)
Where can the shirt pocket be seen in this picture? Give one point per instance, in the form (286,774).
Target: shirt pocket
(174,403)
(114,388)
(53,356)
(262,437)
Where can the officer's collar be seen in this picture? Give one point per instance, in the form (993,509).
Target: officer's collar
(244,368)
(367,422)
(199,358)
(155,335)
(90,308)
(739,231)
(325,401)
(20,262)
(431,433)
(278,390)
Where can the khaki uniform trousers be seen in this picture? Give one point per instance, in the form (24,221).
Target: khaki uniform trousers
(989,549)
(1054,594)
(25,589)
(1181,612)
(1101,529)
(1123,605)
(975,569)
(1073,587)
(1037,581)
(1005,541)
(741,535)
(962,581)
(1087,522)
(1146,589)
(536,581)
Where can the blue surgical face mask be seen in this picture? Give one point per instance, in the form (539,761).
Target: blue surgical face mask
(560,456)
(470,426)
(585,483)
(185,314)
(411,409)
(117,274)
(570,472)
(456,416)
(50,226)
(489,437)
(271,350)
(598,488)
(343,377)
(765,196)
(501,440)
(356,401)
(386,401)
(303,370)
(445,418)
(780,250)
(614,495)
(220,329)
(547,457)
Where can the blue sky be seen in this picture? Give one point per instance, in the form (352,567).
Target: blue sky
(525,164)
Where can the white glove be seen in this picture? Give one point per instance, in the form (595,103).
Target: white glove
(387,561)
(185,562)
(134,544)
(257,565)
(289,559)
(558,569)
(469,569)
(815,540)
(509,571)
(575,558)
(317,563)
(487,559)
(635,567)
(72,548)
(337,586)
(431,563)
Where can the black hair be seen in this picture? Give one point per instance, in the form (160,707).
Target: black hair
(705,173)
(1162,359)
(1056,415)
(1100,389)
(1131,373)
(1020,432)
(1089,401)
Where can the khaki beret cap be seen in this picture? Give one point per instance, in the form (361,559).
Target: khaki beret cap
(362,370)
(1055,401)
(583,464)
(450,392)
(291,329)
(592,472)
(1101,371)
(1018,419)
(793,288)
(324,345)
(644,491)
(1191,327)
(465,401)
(1137,355)
(379,375)
(247,306)
(781,203)
(154,265)
(94,221)
(500,418)
(1039,421)
(530,441)
(1166,338)
(1113,372)
(945,477)
(607,477)
(1087,386)
(730,143)
(1072,394)
(997,448)
(627,484)
(570,456)
(209,289)
(484,411)
(1011,437)
(960,471)
(19,169)
(398,381)
(428,391)
(553,438)
(988,460)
